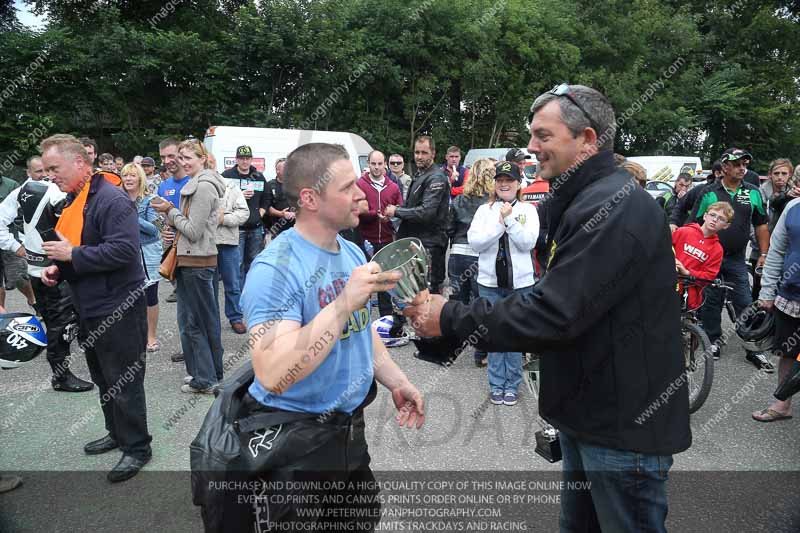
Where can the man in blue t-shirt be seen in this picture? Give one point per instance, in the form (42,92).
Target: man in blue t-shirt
(315,353)
(170,190)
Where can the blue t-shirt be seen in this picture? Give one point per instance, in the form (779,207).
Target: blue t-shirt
(293,279)
(170,190)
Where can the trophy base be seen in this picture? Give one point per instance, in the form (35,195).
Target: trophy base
(548,446)
(437,350)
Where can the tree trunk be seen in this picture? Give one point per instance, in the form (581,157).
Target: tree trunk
(472,127)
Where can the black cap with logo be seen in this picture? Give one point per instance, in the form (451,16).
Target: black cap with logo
(507,168)
(516,155)
(735,154)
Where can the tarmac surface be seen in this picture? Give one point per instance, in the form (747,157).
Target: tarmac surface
(738,475)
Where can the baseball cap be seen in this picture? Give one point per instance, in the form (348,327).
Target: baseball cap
(516,155)
(735,154)
(507,168)
(244,151)
(148,161)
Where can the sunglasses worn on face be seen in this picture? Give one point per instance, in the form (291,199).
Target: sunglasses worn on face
(395,162)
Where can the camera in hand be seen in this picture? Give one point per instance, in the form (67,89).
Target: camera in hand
(547,444)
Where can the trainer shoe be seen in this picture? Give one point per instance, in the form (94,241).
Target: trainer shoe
(176,357)
(510,398)
(760,361)
(188,388)
(496,398)
(8,483)
(715,352)
(172,298)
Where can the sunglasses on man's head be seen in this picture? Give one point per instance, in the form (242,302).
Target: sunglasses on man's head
(563,89)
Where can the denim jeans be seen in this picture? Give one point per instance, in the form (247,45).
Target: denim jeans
(251,242)
(734,271)
(228,269)
(384,298)
(505,368)
(199,325)
(627,491)
(462,271)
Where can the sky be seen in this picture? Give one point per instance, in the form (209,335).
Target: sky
(26,17)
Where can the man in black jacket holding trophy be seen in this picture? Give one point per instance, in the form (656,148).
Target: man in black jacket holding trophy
(605,319)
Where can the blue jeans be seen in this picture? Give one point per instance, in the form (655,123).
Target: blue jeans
(251,242)
(627,491)
(228,268)
(199,325)
(505,368)
(462,270)
(734,271)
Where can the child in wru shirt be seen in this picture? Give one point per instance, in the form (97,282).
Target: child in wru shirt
(697,249)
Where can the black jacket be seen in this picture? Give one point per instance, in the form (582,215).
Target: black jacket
(605,317)
(680,212)
(462,211)
(262,195)
(425,213)
(106,269)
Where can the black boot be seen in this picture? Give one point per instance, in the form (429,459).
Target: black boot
(68,382)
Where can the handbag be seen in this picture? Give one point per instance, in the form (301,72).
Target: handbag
(169,260)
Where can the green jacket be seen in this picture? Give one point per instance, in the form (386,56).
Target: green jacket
(6,186)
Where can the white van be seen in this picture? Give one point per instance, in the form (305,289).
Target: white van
(271,144)
(529,167)
(656,163)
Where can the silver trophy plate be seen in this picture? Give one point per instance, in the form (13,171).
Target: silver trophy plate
(409,257)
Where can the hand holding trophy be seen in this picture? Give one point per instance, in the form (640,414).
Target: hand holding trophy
(411,295)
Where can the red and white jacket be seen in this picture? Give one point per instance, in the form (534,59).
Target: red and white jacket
(372,228)
(702,257)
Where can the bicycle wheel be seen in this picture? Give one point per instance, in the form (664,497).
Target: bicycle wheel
(699,363)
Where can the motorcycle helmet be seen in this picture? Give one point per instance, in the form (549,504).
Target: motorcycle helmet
(756,330)
(22,338)
(384,327)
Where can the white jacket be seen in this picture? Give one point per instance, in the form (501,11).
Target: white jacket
(522,226)
(236,213)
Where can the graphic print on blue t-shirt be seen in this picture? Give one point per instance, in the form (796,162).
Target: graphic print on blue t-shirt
(359,320)
(170,190)
(294,280)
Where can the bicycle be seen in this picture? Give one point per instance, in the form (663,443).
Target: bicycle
(696,344)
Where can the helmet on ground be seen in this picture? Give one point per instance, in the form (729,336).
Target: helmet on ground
(384,326)
(756,329)
(22,338)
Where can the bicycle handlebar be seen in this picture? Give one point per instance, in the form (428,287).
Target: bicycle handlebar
(717,283)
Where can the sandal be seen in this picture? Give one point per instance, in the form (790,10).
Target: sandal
(156,346)
(770,415)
